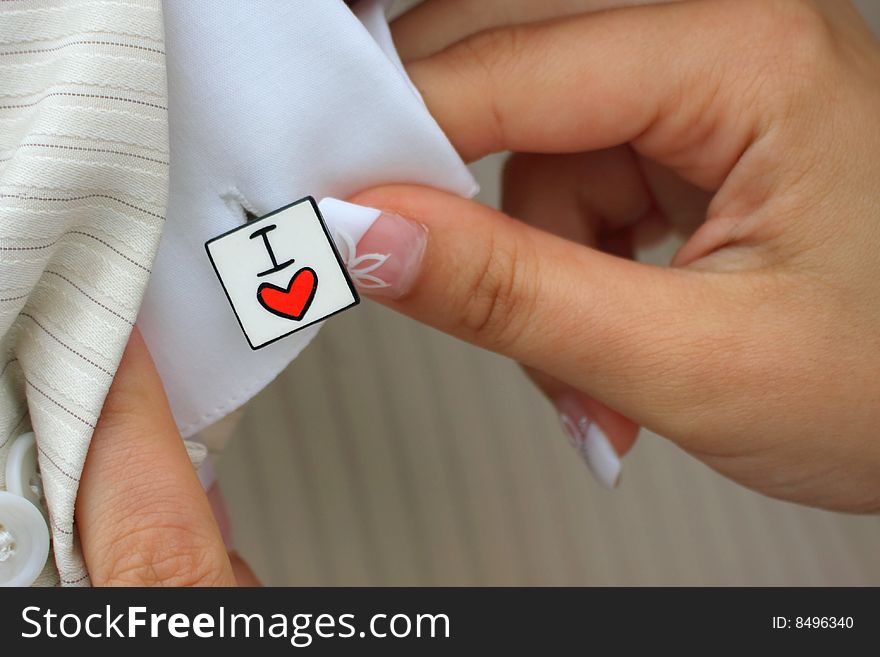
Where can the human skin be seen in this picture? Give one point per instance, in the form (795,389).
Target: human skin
(751,124)
(142,515)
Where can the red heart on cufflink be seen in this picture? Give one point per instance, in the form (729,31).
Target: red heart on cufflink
(293,302)
(271,249)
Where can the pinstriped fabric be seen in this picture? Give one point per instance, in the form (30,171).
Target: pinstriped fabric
(83,188)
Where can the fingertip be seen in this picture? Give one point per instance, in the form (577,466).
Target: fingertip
(142,515)
(244,576)
(620,430)
(599,435)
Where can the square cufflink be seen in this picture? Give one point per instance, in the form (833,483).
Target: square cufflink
(281,273)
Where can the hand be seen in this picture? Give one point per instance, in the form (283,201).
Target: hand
(620,211)
(142,515)
(433,25)
(758,350)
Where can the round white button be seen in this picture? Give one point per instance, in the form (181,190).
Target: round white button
(22,476)
(24,541)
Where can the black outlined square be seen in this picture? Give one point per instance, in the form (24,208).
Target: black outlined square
(263,267)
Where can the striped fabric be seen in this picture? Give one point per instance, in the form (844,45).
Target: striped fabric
(83,187)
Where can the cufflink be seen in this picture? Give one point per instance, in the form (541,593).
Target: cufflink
(281,273)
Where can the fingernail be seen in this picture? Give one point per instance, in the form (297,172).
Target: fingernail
(382,251)
(589,441)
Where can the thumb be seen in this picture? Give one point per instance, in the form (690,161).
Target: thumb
(644,340)
(142,515)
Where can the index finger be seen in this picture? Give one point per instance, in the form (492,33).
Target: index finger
(433,25)
(647,75)
(143,517)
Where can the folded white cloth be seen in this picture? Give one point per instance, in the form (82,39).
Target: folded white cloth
(269,102)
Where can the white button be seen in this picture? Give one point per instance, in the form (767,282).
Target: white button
(22,476)
(24,541)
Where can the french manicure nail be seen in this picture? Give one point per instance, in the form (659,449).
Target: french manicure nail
(589,441)
(382,251)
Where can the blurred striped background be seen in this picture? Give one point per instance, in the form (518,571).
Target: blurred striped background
(389,454)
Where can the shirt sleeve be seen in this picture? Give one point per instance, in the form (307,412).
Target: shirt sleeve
(269,102)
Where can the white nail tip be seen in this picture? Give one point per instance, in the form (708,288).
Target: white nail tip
(354,220)
(593,445)
(348,223)
(601,458)
(359,274)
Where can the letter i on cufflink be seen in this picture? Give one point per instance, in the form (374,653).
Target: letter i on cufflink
(281,273)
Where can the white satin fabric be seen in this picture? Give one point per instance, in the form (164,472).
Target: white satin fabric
(269,102)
